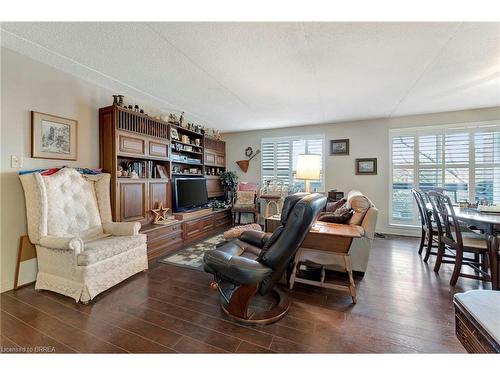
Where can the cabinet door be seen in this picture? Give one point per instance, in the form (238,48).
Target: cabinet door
(214,187)
(131,145)
(159,191)
(158,149)
(209,157)
(133,200)
(220,160)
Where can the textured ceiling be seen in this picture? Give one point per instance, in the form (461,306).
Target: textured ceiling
(243,76)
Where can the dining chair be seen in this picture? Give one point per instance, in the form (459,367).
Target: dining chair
(451,239)
(493,249)
(429,233)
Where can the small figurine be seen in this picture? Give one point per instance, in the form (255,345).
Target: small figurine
(181,120)
(136,108)
(115,99)
(134,175)
(172,119)
(120,100)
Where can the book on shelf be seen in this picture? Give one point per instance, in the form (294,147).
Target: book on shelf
(146,169)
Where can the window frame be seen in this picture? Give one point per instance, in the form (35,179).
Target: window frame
(466,127)
(290,140)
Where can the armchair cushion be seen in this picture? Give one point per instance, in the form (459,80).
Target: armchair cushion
(122,229)
(98,250)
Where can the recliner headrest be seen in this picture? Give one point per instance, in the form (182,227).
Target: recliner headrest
(289,204)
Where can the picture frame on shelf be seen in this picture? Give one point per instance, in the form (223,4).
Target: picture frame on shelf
(366,166)
(339,147)
(53,137)
(162,171)
(174,134)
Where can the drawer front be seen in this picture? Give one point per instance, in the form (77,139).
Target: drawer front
(158,149)
(222,219)
(131,145)
(195,228)
(192,228)
(164,232)
(207,224)
(165,244)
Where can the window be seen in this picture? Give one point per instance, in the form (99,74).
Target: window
(279,160)
(463,161)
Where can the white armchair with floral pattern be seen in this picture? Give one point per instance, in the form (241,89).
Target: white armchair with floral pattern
(80,251)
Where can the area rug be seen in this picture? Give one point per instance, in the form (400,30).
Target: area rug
(192,256)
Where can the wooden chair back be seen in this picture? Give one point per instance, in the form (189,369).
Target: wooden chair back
(447,224)
(425,216)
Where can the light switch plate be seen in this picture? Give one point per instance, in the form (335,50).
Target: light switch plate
(16,161)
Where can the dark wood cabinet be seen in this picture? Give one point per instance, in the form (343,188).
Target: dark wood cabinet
(129,138)
(159,192)
(133,201)
(214,187)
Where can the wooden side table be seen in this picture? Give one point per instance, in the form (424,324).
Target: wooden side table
(331,239)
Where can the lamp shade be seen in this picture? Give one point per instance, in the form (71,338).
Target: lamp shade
(308,167)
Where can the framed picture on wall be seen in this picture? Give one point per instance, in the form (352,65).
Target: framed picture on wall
(53,137)
(339,147)
(366,166)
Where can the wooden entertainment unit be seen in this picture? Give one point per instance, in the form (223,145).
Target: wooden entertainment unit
(129,139)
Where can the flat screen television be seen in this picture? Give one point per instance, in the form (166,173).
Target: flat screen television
(189,193)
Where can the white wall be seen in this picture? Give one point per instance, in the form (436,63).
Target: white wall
(29,85)
(368,138)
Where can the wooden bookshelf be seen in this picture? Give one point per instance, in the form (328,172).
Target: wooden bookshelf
(129,139)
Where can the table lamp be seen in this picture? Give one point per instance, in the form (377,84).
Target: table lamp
(308,168)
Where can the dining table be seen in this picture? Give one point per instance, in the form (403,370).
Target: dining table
(486,222)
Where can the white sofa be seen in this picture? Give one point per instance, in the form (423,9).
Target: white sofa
(80,251)
(365,219)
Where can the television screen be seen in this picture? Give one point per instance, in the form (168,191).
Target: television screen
(189,193)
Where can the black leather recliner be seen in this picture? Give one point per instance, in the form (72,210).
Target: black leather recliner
(256,261)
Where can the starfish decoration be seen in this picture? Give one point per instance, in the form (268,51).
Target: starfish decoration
(160,213)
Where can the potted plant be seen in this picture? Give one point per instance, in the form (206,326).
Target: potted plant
(229,180)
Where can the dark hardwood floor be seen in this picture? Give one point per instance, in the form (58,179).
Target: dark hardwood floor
(403,307)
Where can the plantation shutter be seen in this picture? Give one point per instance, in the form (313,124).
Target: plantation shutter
(403,155)
(275,161)
(279,159)
(487,171)
(456,159)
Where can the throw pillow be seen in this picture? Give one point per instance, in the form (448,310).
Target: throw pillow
(333,206)
(245,197)
(359,204)
(338,218)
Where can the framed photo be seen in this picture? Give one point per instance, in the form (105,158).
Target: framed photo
(339,147)
(366,166)
(174,134)
(162,171)
(53,137)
